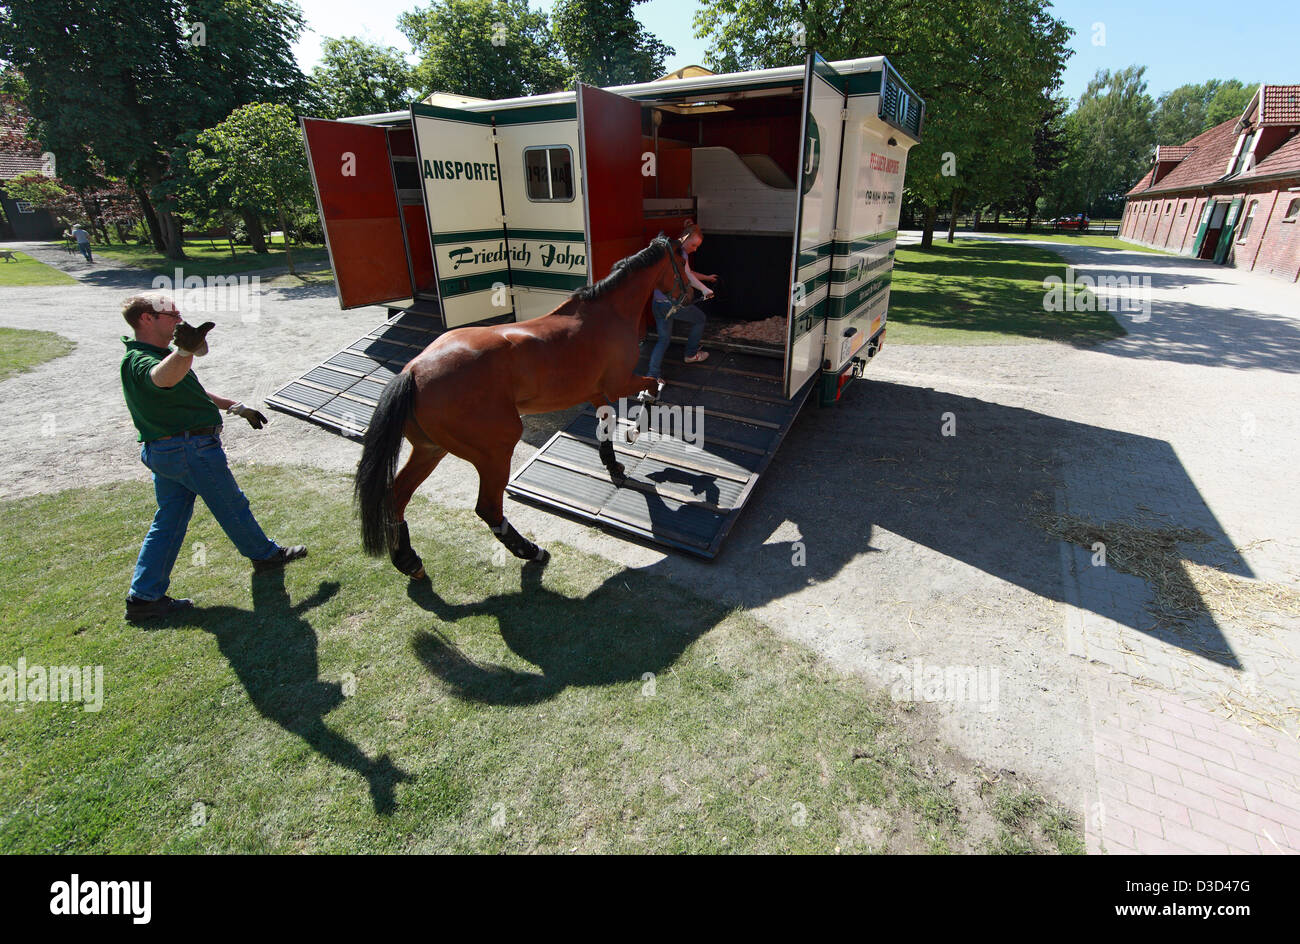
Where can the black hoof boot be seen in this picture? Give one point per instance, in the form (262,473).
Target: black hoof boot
(516,543)
(404,557)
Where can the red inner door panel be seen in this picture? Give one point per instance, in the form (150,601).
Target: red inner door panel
(359,211)
(611,143)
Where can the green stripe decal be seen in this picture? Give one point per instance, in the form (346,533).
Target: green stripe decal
(863,83)
(559,281)
(468,236)
(556,235)
(468,284)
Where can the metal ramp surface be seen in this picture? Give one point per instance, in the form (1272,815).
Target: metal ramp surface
(677,494)
(341,394)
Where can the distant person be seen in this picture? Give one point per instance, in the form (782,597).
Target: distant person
(180,428)
(83,241)
(689,241)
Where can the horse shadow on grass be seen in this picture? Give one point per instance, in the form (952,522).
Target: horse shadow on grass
(272,649)
(628,628)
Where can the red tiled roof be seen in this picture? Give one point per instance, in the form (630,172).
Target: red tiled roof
(1141,184)
(13,163)
(1207,163)
(1174,152)
(1281,105)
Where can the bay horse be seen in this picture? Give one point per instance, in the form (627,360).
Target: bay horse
(465,393)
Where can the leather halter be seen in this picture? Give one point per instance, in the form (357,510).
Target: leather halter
(680,287)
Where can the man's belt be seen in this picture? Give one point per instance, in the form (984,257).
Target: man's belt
(197,431)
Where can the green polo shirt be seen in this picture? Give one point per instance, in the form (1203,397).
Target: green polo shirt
(162,411)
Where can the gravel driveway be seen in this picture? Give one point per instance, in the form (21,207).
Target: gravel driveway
(919,550)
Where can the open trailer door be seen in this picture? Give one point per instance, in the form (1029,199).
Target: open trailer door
(814,242)
(884,118)
(609,136)
(457,158)
(352,173)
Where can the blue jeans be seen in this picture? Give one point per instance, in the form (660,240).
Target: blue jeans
(688,313)
(183,467)
(85,251)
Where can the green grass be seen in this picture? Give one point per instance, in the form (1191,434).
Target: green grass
(1087,239)
(27,271)
(211,257)
(497,709)
(22,349)
(985,292)
(1027,820)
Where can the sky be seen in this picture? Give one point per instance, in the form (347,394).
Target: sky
(1190,41)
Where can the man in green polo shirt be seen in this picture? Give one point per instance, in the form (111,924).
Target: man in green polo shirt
(180,427)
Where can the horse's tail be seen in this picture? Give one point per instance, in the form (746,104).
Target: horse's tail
(373,486)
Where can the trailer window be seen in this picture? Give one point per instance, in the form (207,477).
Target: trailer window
(548,173)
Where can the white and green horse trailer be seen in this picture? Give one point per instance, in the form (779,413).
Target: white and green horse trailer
(477,212)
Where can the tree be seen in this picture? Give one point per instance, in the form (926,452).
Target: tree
(483,48)
(605,44)
(124,79)
(359,78)
(1114,136)
(1229,101)
(1188,110)
(982,67)
(256,156)
(1049,152)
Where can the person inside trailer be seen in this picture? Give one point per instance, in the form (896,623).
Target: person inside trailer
(689,241)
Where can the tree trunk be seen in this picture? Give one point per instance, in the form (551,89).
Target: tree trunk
(173,234)
(150,218)
(952,216)
(927,230)
(288,253)
(256,235)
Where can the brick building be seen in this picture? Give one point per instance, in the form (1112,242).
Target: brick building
(1231,194)
(18,220)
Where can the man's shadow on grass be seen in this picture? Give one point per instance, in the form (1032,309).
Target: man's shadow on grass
(643,628)
(273,651)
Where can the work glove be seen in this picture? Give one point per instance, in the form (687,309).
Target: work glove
(191,340)
(255,418)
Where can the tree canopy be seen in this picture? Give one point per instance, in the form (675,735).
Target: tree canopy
(356,77)
(605,44)
(124,79)
(484,48)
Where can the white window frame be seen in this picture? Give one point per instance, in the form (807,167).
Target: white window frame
(550,180)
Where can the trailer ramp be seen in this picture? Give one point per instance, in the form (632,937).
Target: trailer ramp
(678,494)
(341,394)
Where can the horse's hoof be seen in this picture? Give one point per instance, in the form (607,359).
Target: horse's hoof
(541,557)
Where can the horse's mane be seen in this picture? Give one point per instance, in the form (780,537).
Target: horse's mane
(636,262)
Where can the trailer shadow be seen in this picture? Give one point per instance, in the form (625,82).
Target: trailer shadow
(881,461)
(272,649)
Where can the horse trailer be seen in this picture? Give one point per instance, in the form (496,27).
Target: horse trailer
(467,212)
